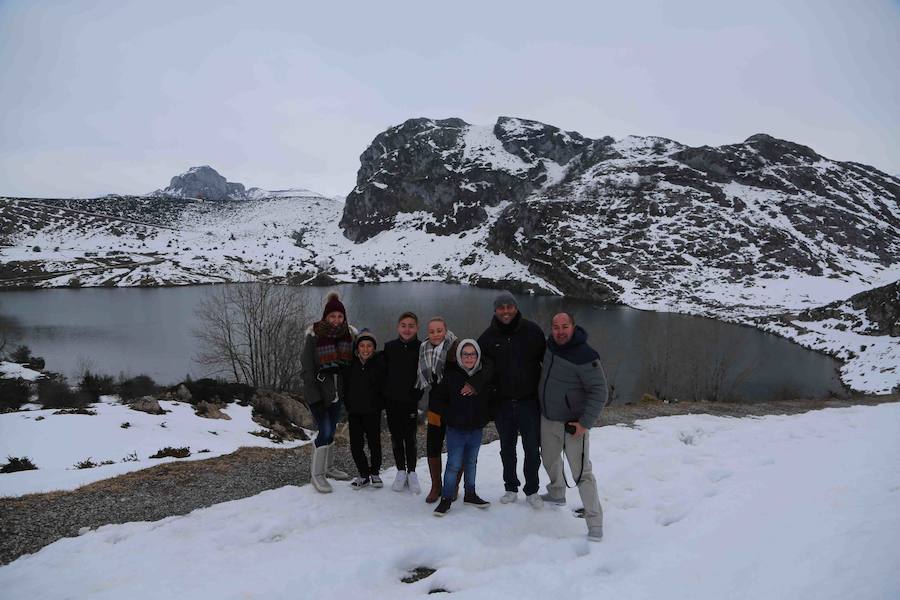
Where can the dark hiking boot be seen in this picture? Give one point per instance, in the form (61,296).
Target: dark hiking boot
(443,507)
(472,499)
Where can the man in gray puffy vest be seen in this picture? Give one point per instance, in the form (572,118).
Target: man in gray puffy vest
(572,392)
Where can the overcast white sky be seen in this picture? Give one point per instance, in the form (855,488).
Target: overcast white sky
(101,97)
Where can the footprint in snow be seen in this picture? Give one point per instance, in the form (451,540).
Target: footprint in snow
(717,475)
(671,514)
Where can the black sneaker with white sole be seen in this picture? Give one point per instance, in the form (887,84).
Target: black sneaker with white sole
(359,483)
(472,499)
(443,507)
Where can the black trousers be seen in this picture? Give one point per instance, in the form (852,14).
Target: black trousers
(403,424)
(365,428)
(514,419)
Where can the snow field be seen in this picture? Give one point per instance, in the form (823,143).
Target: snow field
(696,506)
(56,442)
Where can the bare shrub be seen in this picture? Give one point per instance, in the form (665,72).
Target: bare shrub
(254,333)
(95,385)
(173,452)
(56,393)
(13,394)
(136,387)
(17,463)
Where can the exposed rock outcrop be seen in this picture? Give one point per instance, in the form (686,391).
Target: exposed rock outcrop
(203,183)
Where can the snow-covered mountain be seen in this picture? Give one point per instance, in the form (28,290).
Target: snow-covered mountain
(739,232)
(641,219)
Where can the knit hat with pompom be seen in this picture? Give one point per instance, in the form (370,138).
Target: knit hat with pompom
(333,304)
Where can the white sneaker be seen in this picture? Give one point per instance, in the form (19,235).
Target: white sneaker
(535,501)
(413,480)
(399,481)
(508,497)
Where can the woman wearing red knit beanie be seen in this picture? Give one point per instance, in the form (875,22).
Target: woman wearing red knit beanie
(327,350)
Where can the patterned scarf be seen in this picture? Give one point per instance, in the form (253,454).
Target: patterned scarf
(334,345)
(432,360)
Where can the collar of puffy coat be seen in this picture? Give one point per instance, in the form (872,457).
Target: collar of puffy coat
(576,350)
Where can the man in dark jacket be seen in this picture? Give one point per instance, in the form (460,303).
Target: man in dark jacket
(516,347)
(573,391)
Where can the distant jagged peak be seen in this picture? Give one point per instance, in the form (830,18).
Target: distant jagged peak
(203,182)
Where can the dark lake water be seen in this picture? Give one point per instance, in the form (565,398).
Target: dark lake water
(150,330)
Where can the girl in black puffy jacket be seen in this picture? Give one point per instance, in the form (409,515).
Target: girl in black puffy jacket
(465,415)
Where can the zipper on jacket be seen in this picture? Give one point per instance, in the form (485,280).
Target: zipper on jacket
(552,358)
(336,397)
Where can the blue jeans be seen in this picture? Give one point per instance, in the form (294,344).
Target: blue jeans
(462,450)
(327,417)
(513,419)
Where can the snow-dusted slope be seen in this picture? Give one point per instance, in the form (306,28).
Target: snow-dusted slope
(293,238)
(862,331)
(695,507)
(56,442)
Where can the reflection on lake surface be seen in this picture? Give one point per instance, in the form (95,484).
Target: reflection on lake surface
(150,330)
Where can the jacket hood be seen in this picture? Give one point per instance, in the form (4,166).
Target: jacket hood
(459,348)
(576,350)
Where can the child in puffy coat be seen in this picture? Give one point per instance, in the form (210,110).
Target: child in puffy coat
(464,415)
(364,401)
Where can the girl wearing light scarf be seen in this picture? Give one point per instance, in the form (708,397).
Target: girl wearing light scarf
(432,359)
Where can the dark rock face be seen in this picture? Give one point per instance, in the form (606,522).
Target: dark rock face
(203,183)
(451,170)
(594,217)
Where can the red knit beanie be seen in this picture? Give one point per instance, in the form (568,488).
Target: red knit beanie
(334,304)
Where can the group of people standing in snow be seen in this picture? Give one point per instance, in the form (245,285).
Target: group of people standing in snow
(547,390)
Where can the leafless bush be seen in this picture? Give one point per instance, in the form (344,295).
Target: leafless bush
(9,330)
(254,333)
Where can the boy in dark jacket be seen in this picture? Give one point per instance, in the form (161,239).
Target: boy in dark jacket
(401,359)
(363,385)
(465,416)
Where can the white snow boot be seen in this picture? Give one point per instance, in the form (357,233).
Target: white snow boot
(330,470)
(317,470)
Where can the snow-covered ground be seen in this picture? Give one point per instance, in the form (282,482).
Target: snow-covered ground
(55,443)
(696,507)
(11,370)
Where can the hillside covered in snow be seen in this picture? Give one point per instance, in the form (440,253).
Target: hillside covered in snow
(740,232)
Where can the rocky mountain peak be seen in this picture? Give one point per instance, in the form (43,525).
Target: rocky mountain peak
(454,171)
(205,183)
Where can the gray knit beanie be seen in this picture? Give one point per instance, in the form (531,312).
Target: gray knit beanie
(504,298)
